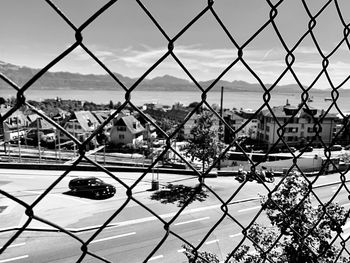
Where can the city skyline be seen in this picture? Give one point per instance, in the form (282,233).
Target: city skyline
(128,42)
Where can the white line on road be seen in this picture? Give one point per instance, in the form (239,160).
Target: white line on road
(72,198)
(235,235)
(17,245)
(13,259)
(32,192)
(143,220)
(156,257)
(191,221)
(250,208)
(113,237)
(212,241)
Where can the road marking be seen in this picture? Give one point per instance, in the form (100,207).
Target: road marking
(33,192)
(250,208)
(191,221)
(156,257)
(72,198)
(141,220)
(13,259)
(17,245)
(113,237)
(212,241)
(235,235)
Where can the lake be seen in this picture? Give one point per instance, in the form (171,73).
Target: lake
(246,100)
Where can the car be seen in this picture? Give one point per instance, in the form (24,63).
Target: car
(91,186)
(307,149)
(336,147)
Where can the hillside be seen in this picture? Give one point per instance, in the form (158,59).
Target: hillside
(53,80)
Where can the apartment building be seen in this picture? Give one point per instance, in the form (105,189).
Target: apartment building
(299,127)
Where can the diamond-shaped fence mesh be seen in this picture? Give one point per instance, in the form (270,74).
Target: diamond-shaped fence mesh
(309,229)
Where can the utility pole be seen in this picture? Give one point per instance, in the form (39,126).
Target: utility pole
(220,124)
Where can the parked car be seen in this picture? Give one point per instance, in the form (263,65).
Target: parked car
(336,147)
(307,149)
(91,186)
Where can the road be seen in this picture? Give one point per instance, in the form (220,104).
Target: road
(134,234)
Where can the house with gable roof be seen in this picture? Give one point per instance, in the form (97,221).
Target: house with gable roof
(81,124)
(126,130)
(14,126)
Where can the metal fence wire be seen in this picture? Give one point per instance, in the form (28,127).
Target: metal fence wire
(195,249)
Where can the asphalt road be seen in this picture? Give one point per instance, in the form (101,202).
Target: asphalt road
(134,234)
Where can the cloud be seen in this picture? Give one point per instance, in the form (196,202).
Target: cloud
(81,55)
(205,63)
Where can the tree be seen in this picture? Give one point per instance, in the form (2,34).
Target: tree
(193,104)
(111,105)
(344,137)
(299,232)
(166,125)
(204,143)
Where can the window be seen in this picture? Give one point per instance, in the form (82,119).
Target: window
(310,129)
(290,138)
(121,128)
(267,128)
(121,136)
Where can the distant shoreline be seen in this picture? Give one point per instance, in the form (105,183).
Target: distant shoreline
(191,89)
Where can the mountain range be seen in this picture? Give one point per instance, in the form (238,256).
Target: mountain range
(53,80)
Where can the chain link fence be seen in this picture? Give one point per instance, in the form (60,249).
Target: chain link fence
(265,250)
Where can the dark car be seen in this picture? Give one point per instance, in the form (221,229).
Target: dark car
(307,149)
(336,148)
(91,186)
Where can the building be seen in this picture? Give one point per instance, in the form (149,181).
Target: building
(102,116)
(251,128)
(235,122)
(300,125)
(150,131)
(127,130)
(14,126)
(81,124)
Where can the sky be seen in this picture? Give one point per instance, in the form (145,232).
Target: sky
(128,42)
